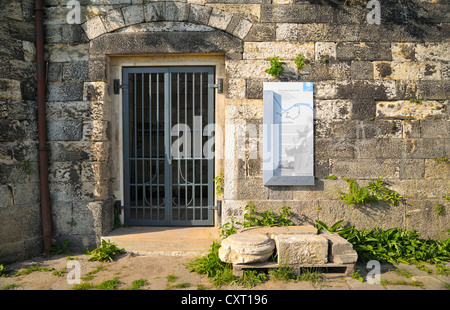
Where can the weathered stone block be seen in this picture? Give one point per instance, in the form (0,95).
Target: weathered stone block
(301,249)
(154,11)
(240,28)
(431,90)
(363,109)
(12,130)
(271,232)
(362,70)
(285,50)
(177,11)
(113,20)
(124,43)
(287,32)
(235,88)
(133,14)
(64,130)
(199,14)
(432,52)
(79,151)
(363,51)
(75,71)
(436,170)
(425,148)
(6,197)
(95,130)
(407,70)
(246,248)
(65,91)
(262,33)
(325,50)
(374,90)
(365,168)
(96,91)
(219,19)
(94,27)
(10,89)
(340,251)
(406,109)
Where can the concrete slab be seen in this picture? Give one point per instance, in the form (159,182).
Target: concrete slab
(169,241)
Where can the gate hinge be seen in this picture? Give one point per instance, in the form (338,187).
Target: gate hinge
(219,86)
(117,86)
(218,208)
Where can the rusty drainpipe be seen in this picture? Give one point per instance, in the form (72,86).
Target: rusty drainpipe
(42,125)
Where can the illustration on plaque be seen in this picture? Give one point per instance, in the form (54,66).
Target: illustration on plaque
(288,157)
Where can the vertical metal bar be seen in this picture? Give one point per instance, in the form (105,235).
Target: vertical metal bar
(200,145)
(179,160)
(193,146)
(167,151)
(211,161)
(150,141)
(157,143)
(185,155)
(143,146)
(135,144)
(126,147)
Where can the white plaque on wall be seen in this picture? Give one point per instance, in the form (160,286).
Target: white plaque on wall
(288,156)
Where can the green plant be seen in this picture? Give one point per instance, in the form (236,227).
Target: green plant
(219,183)
(276,67)
(109,284)
(106,252)
(442,160)
(402,282)
(283,273)
(403,272)
(446,197)
(357,195)
(370,194)
(357,276)
(28,166)
(209,264)
(90,274)
(137,284)
(182,285)
(9,287)
(440,209)
(267,218)
(56,249)
(334,228)
(250,278)
(60,273)
(311,274)
(393,245)
(229,228)
(33,268)
(415,100)
(72,223)
(331,177)
(2,269)
(299,61)
(171,278)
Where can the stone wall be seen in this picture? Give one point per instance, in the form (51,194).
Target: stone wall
(381,98)
(382,109)
(20,228)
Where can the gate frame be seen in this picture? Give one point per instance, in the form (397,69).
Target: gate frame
(117,64)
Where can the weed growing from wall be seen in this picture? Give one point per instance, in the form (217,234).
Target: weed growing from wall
(276,67)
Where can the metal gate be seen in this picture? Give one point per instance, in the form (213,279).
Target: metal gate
(168,177)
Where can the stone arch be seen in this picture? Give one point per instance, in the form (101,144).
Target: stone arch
(150,29)
(168,11)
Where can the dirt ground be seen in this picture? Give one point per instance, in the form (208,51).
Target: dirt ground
(171,273)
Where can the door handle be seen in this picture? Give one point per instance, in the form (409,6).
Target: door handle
(170,162)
